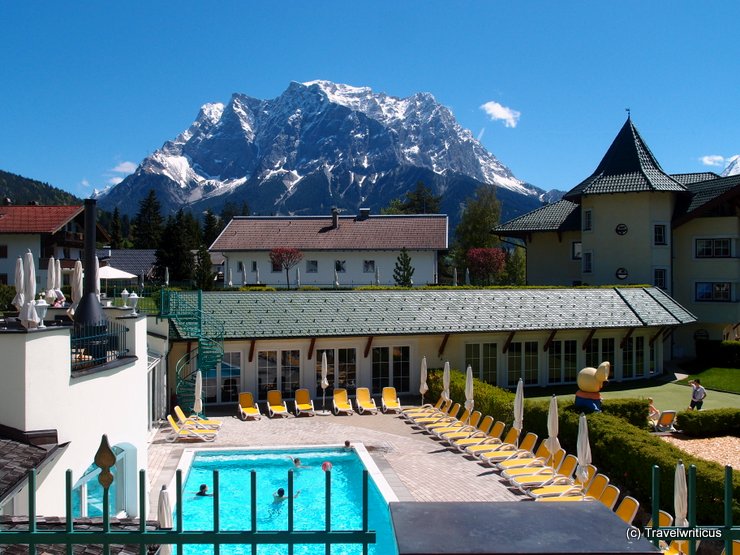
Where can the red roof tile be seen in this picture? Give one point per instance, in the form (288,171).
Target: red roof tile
(316,233)
(36,219)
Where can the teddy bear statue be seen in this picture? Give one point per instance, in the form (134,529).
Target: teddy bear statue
(590,382)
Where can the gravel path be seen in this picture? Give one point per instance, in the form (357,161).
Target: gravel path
(723,450)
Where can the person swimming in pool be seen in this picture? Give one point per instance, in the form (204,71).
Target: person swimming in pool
(280,495)
(203,490)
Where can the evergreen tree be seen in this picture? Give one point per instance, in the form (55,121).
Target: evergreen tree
(395,206)
(230,210)
(203,274)
(211,227)
(419,201)
(403,271)
(516,267)
(148,223)
(179,240)
(116,235)
(480,216)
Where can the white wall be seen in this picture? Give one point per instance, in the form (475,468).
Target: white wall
(39,393)
(423,262)
(18,245)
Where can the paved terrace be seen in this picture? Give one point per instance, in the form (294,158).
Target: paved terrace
(416,466)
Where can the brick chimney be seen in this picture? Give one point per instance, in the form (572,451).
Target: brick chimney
(335,218)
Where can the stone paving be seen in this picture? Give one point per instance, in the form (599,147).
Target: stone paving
(416,466)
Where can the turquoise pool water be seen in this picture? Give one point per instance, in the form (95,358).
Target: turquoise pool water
(272,468)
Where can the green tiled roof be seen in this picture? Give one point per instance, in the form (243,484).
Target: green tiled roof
(559,216)
(627,167)
(286,314)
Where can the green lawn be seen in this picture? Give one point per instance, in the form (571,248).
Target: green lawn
(721,379)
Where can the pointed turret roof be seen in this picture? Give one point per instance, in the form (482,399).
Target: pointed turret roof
(627,167)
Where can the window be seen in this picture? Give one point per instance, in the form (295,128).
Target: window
(391,366)
(368,266)
(587,220)
(240,266)
(340,266)
(254,265)
(599,350)
(587,262)
(3,251)
(278,370)
(276,267)
(312,266)
(713,291)
(633,358)
(659,235)
(523,360)
(341,368)
(483,359)
(562,361)
(660,278)
(575,250)
(712,248)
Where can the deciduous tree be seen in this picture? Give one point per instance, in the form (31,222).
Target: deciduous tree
(486,264)
(480,216)
(286,258)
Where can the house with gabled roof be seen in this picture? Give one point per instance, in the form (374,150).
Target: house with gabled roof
(374,338)
(630,222)
(344,250)
(46,231)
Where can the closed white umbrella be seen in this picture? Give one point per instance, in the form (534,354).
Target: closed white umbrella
(377,275)
(336,278)
(469,399)
(257,275)
(58,280)
(231,282)
(76,286)
(20,294)
(29,317)
(423,387)
(198,402)
(164,516)
(244,275)
(519,406)
(97,278)
(324,379)
(454,277)
(467,276)
(297,277)
(446,382)
(166,276)
(680,495)
(583,449)
(51,279)
(552,442)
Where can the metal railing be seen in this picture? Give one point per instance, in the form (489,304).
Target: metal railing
(692,533)
(97,344)
(178,536)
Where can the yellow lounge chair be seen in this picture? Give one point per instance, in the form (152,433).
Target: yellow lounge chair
(196,421)
(450,421)
(522,458)
(341,402)
(275,404)
(247,407)
(365,403)
(459,430)
(493,431)
(389,400)
(592,493)
(627,509)
(449,416)
(665,421)
(664,519)
(442,409)
(428,407)
(512,436)
(188,432)
(304,403)
(546,476)
(553,462)
(507,451)
(564,489)
(610,496)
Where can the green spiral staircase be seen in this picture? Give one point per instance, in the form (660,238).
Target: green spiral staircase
(185,310)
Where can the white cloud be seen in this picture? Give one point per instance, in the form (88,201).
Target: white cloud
(713,160)
(497,111)
(85,183)
(125,167)
(115,180)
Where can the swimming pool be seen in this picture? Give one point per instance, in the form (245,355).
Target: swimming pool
(272,466)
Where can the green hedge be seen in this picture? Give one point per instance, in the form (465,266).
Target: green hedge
(7,292)
(709,423)
(729,354)
(621,446)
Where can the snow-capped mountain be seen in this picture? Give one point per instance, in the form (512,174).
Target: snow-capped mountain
(318,145)
(733,168)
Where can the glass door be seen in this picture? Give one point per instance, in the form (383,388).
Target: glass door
(221,384)
(278,370)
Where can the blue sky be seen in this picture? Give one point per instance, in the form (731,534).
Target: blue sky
(88,89)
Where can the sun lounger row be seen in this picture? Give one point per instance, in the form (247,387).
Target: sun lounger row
(192,427)
(303,404)
(528,468)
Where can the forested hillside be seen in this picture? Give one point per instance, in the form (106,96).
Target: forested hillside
(22,190)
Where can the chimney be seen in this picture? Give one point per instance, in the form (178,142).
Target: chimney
(335,218)
(364,214)
(89,312)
